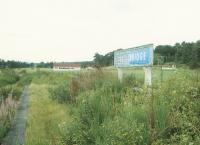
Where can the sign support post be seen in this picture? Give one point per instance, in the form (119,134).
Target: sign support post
(133,57)
(120,74)
(148,76)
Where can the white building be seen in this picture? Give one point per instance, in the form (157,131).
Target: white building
(66,66)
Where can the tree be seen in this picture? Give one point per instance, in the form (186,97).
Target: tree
(103,60)
(98,59)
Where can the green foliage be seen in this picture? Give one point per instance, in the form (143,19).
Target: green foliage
(100,112)
(45,116)
(44,65)
(59,87)
(178,116)
(60,93)
(8,77)
(109,112)
(132,80)
(125,132)
(181,53)
(14,64)
(18,64)
(4,92)
(184,53)
(16,91)
(7,111)
(103,60)
(11,86)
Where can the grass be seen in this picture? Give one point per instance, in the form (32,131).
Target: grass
(7,112)
(139,72)
(10,92)
(45,117)
(108,112)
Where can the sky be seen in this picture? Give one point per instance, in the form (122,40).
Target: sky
(74,30)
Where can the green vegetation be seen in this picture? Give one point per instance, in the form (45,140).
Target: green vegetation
(14,64)
(109,112)
(45,117)
(12,83)
(92,107)
(10,92)
(184,53)
(181,54)
(18,64)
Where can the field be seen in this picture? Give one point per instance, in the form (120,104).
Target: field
(92,107)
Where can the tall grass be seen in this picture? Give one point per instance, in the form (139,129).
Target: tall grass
(7,111)
(45,116)
(110,112)
(12,83)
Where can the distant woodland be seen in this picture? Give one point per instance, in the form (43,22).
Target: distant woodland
(181,53)
(19,64)
(185,53)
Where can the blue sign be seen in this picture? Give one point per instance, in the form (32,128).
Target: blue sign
(136,56)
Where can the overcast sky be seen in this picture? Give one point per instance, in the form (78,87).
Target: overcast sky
(73,30)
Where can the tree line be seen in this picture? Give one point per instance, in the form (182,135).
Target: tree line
(19,64)
(187,53)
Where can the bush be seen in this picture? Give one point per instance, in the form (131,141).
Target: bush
(60,92)
(8,77)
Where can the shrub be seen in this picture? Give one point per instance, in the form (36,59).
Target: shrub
(8,77)
(60,92)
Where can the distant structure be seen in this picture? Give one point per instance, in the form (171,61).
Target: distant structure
(66,66)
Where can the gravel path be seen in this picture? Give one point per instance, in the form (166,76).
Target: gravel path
(16,134)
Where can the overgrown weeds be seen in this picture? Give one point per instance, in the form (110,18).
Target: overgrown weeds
(7,111)
(110,112)
(11,86)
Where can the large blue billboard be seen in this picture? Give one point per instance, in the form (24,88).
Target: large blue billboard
(136,56)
